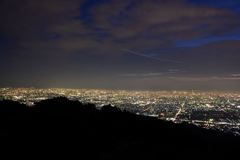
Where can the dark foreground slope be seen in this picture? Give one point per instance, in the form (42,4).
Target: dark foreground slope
(62,128)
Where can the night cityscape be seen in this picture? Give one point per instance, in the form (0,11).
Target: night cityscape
(215,110)
(120,79)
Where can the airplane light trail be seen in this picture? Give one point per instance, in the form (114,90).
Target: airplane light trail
(150,57)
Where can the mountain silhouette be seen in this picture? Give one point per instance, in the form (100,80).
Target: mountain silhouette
(62,128)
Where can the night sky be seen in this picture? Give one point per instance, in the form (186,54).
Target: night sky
(120,44)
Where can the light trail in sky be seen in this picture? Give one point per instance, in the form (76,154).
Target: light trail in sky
(150,57)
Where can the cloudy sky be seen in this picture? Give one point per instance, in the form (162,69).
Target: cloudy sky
(120,44)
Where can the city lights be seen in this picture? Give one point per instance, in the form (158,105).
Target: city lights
(216,110)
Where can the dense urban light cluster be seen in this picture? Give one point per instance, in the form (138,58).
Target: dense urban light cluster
(216,110)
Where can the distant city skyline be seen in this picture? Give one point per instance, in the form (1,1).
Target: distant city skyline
(120,44)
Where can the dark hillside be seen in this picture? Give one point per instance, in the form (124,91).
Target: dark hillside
(69,128)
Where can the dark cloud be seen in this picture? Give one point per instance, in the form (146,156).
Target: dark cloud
(165,18)
(115,24)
